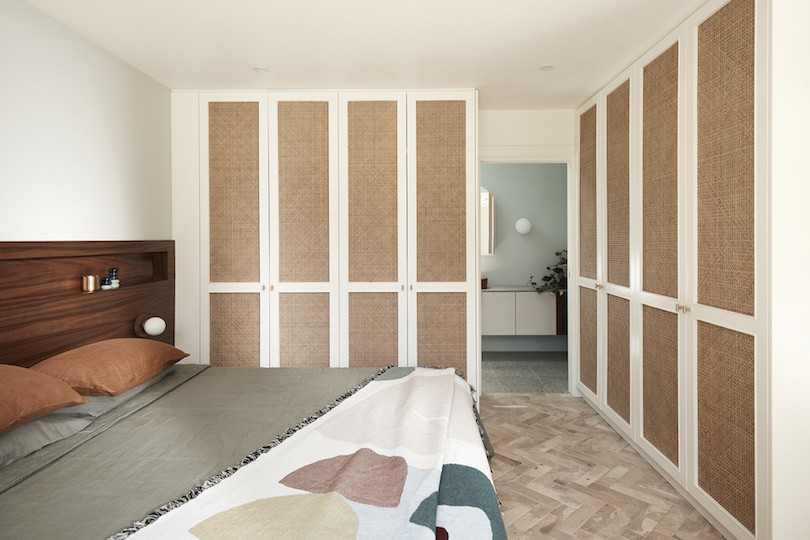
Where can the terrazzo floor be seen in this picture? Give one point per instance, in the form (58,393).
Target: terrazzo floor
(530,372)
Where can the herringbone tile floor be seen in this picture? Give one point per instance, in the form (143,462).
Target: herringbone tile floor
(562,472)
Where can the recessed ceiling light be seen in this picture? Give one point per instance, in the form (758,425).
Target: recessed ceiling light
(261,70)
(547,67)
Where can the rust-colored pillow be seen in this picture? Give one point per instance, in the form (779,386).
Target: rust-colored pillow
(26,394)
(112,366)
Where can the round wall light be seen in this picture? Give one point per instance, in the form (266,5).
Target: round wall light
(523,226)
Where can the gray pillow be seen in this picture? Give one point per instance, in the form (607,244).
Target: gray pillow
(40,432)
(58,425)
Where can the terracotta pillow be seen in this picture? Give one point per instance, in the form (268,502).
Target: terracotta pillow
(27,394)
(112,366)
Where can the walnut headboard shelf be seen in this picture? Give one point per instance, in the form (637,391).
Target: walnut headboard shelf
(43,310)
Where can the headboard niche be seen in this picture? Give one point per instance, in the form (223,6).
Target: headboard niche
(43,310)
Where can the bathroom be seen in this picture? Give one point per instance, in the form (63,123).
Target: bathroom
(524,341)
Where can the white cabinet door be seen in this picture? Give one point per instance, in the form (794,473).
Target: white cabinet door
(535,314)
(498,314)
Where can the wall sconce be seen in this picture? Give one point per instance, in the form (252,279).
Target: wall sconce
(149,326)
(523,226)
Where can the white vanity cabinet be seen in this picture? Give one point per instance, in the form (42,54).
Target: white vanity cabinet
(517,311)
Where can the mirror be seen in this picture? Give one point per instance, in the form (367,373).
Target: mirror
(487,223)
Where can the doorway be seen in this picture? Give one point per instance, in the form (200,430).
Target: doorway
(522,351)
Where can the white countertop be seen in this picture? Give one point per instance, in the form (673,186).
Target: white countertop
(508,288)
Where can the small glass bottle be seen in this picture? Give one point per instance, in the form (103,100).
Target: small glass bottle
(113,273)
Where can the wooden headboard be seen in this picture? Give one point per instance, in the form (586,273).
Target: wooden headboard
(43,310)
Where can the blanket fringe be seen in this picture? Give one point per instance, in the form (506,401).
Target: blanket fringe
(211,482)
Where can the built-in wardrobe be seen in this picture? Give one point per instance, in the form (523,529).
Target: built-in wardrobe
(671,308)
(334,228)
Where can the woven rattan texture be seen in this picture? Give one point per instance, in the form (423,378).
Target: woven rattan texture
(304,329)
(660,175)
(441,184)
(618,356)
(726,450)
(373,329)
(587,338)
(441,325)
(660,379)
(373,234)
(725,107)
(233,191)
(618,185)
(303,191)
(235,329)
(587,193)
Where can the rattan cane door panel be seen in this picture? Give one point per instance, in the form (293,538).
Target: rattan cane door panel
(587,193)
(726,460)
(373,329)
(441,188)
(304,331)
(233,191)
(441,325)
(303,191)
(660,381)
(234,329)
(373,196)
(587,338)
(618,356)
(725,158)
(660,175)
(618,185)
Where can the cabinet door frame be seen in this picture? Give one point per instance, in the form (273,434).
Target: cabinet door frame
(207,287)
(471,286)
(276,287)
(399,286)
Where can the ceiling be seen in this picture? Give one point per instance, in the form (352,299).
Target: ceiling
(496,47)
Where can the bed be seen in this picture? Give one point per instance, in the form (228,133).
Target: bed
(185,450)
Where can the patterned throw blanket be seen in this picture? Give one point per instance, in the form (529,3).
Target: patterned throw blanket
(400,458)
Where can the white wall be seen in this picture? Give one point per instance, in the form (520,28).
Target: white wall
(85,149)
(790,259)
(526,136)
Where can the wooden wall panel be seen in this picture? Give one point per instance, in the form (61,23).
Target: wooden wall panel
(234,329)
(304,329)
(587,338)
(587,193)
(660,380)
(618,356)
(233,193)
(726,456)
(618,185)
(725,122)
(303,191)
(441,184)
(660,175)
(441,321)
(373,329)
(43,310)
(373,233)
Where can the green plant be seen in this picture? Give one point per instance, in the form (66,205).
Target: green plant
(556,281)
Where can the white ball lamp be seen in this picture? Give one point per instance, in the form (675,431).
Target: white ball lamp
(523,226)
